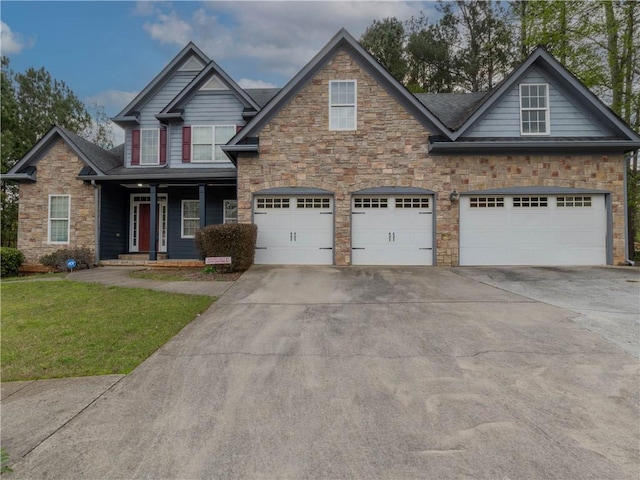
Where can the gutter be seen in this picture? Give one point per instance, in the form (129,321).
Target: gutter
(160,176)
(548,145)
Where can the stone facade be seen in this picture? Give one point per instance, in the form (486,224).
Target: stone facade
(56,175)
(390,148)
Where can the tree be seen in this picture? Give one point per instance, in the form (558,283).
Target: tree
(100,131)
(32,102)
(385,41)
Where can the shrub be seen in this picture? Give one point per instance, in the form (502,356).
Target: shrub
(235,240)
(10,261)
(58,259)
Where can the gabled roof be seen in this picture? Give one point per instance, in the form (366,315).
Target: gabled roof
(587,98)
(94,157)
(128,113)
(342,40)
(174,109)
(262,96)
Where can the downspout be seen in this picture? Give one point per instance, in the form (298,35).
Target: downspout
(627,260)
(98,207)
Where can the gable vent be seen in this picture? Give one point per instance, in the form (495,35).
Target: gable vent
(191,65)
(214,84)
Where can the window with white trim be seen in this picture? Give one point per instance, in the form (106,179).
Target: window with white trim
(534,109)
(190,218)
(206,141)
(342,105)
(313,202)
(370,202)
(486,202)
(412,202)
(573,201)
(530,202)
(59,218)
(272,202)
(230,211)
(149,146)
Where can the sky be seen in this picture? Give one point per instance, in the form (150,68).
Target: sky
(106,52)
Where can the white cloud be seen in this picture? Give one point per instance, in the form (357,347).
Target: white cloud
(276,37)
(12,42)
(112,100)
(248,83)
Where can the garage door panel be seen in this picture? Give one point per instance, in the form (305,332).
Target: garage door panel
(393,235)
(550,235)
(301,234)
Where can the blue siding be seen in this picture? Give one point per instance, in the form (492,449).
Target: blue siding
(155,105)
(177,246)
(567,117)
(114,221)
(205,108)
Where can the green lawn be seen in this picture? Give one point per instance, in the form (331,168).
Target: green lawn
(69,329)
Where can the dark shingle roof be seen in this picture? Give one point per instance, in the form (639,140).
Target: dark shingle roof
(452,108)
(118,151)
(262,95)
(100,157)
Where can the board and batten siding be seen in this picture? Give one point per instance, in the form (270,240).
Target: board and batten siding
(567,117)
(155,105)
(114,221)
(205,108)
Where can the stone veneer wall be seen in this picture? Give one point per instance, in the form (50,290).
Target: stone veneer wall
(56,175)
(390,148)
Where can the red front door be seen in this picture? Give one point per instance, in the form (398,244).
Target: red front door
(144,218)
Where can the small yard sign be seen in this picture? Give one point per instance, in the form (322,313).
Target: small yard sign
(217,260)
(71,264)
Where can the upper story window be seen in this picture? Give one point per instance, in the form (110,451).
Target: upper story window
(206,141)
(149,146)
(342,105)
(59,216)
(534,109)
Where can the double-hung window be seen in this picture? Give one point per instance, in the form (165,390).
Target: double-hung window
(149,146)
(206,141)
(190,218)
(342,105)
(534,109)
(59,218)
(230,211)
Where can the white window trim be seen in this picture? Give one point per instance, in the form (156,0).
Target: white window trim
(157,162)
(213,145)
(68,219)
(547,109)
(355,105)
(183,218)
(224,210)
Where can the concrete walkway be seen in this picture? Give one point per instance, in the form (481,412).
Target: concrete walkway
(324,372)
(119,276)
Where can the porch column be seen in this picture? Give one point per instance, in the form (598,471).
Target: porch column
(202,202)
(153,223)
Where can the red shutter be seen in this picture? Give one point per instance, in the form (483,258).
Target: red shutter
(239,127)
(163,146)
(135,147)
(186,144)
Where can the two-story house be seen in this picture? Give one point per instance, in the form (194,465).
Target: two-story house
(342,166)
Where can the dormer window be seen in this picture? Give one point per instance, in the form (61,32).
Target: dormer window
(149,146)
(342,105)
(534,109)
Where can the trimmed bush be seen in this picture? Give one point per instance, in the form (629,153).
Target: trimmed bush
(235,240)
(10,261)
(58,259)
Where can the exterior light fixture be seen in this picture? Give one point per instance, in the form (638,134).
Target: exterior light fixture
(454,196)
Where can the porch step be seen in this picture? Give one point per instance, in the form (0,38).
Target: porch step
(140,256)
(164,263)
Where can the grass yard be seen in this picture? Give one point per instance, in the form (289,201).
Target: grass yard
(184,275)
(70,329)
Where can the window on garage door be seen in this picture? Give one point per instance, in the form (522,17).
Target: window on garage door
(272,203)
(370,202)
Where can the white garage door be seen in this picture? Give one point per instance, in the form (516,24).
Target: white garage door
(296,230)
(533,230)
(392,230)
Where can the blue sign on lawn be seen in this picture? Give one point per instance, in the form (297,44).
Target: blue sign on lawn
(71,264)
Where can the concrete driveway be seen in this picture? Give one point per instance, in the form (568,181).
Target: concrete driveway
(321,372)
